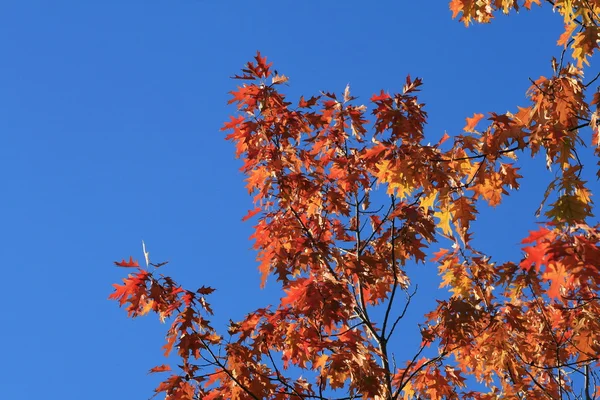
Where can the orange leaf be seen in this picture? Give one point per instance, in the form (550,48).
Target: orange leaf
(456,7)
(439,254)
(472,122)
(320,361)
(443,139)
(584,342)
(557,275)
(566,35)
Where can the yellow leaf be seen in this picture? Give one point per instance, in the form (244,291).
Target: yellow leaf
(444,222)
(570,209)
(401,190)
(146,308)
(427,201)
(399,183)
(584,45)
(408,391)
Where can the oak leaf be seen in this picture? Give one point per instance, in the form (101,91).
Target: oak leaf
(472,122)
(127,264)
(444,216)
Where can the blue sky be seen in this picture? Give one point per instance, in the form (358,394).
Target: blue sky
(109,118)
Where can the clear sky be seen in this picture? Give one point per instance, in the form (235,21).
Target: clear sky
(109,118)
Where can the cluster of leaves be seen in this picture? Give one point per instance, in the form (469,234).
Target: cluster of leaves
(341,209)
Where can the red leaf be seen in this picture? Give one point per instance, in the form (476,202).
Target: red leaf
(160,368)
(252,213)
(307,103)
(128,264)
(534,236)
(262,68)
(535,255)
(380,97)
(233,123)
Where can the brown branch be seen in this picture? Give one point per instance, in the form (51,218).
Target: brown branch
(585,302)
(483,155)
(560,365)
(388,309)
(586,384)
(562,55)
(592,81)
(280,376)
(403,313)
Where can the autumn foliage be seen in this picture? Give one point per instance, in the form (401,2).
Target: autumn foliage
(347,194)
